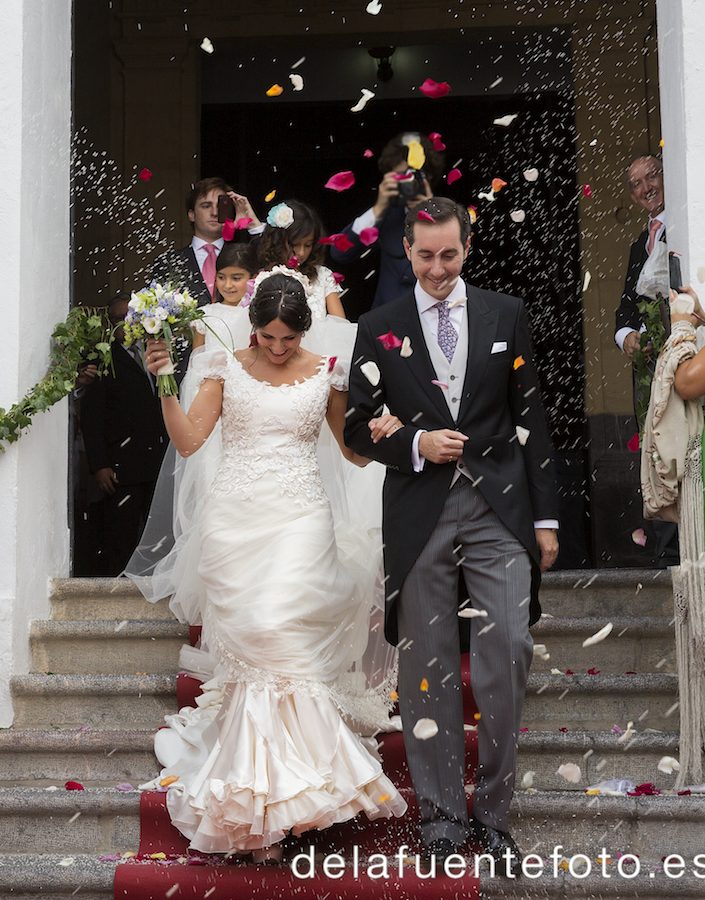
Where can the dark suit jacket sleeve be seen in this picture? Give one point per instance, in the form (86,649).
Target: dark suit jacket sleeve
(527,411)
(365,401)
(628,315)
(93,425)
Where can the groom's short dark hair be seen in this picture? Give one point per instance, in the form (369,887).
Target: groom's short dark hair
(440,209)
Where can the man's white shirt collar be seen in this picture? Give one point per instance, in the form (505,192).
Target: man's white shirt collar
(661,217)
(425,301)
(198,243)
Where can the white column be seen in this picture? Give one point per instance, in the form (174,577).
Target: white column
(35,117)
(681,54)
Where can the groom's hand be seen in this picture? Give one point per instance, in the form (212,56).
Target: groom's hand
(442,446)
(547,539)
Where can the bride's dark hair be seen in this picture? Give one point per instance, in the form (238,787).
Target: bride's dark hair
(281,297)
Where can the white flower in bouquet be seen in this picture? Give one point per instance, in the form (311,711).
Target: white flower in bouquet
(152,324)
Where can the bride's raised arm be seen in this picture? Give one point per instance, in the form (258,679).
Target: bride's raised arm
(188,431)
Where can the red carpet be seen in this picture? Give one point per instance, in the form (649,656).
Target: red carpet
(187,875)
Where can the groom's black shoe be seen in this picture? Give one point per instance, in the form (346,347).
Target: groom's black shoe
(440,849)
(500,845)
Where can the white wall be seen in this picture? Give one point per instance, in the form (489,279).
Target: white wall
(35,122)
(681,38)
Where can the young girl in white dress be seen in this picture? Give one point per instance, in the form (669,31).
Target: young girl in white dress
(225,318)
(288,593)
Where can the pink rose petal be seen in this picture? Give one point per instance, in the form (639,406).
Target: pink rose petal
(436,140)
(337,277)
(435,89)
(341,181)
(145,174)
(368,154)
(243,223)
(440,384)
(292,262)
(587,191)
(403,176)
(423,216)
(340,241)
(228,229)
(453,175)
(633,443)
(368,236)
(639,537)
(389,340)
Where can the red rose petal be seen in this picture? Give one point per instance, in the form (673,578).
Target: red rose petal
(563,730)
(341,181)
(145,174)
(587,191)
(292,262)
(389,340)
(74,786)
(340,241)
(423,216)
(228,229)
(243,223)
(338,278)
(453,176)
(368,236)
(633,443)
(435,89)
(593,671)
(331,363)
(569,672)
(436,140)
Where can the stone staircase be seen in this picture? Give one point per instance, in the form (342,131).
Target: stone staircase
(104,675)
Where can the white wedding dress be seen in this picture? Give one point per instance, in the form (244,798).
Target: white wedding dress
(286,600)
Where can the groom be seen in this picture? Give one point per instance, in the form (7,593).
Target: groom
(469,492)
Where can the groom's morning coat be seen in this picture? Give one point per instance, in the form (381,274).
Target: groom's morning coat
(500,392)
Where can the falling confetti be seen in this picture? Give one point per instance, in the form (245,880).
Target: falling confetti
(406,350)
(570,772)
(340,241)
(338,278)
(486,195)
(363,101)
(368,236)
(498,184)
(341,181)
(423,216)
(297,81)
(394,696)
(436,139)
(528,780)
(371,372)
(633,443)
(368,154)
(497,82)
(374,7)
(531,174)
(228,231)
(169,779)
(67,861)
(639,537)
(389,340)
(440,384)
(668,765)
(270,196)
(74,786)
(505,120)
(586,280)
(276,90)
(522,434)
(453,176)
(587,191)
(469,612)
(416,157)
(517,215)
(598,636)
(472,212)
(299,62)
(145,174)
(207,45)
(518,363)
(425,729)
(424,685)
(434,90)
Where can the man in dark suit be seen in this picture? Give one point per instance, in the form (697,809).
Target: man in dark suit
(388,213)
(125,441)
(469,490)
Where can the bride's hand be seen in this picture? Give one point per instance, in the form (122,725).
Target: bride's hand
(155,356)
(384,427)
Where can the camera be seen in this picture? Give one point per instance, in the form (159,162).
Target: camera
(412,187)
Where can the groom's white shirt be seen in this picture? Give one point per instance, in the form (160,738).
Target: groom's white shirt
(428,315)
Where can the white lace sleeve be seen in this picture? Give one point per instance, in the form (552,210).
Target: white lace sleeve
(339,374)
(328,283)
(209,364)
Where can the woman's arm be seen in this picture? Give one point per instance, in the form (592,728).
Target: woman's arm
(334,305)
(381,427)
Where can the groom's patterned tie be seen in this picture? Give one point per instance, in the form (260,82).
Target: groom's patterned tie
(447,335)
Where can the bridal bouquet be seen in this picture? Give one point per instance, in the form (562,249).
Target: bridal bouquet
(161,312)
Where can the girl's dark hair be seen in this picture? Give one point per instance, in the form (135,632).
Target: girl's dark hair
(240,255)
(274,247)
(281,297)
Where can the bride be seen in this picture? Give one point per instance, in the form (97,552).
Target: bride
(287,601)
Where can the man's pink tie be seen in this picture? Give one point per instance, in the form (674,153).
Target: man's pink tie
(654,226)
(209,267)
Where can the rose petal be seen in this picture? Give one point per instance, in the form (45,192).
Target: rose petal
(522,435)
(531,174)
(67,861)
(363,101)
(453,176)
(276,90)
(425,729)
(598,636)
(440,384)
(144,174)
(587,191)
(406,350)
(593,671)
(505,120)
(517,215)
(206,45)
(368,236)
(498,184)
(528,780)
(472,212)
(340,241)
(292,262)
(668,765)
(639,537)
(337,277)
(373,7)
(341,181)
(486,195)
(424,685)
(169,779)
(586,280)
(423,216)
(243,223)
(74,786)
(124,787)
(470,612)
(436,140)
(368,154)
(389,340)
(416,156)
(270,196)
(371,372)
(228,229)
(297,81)
(633,443)
(434,90)
(519,362)
(570,772)
(331,363)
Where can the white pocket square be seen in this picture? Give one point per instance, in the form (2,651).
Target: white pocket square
(499,347)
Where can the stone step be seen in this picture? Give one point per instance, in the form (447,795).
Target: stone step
(636,644)
(28,876)
(99,701)
(37,758)
(602,593)
(102,598)
(95,820)
(106,647)
(598,702)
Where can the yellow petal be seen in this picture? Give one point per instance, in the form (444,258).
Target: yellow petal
(159,855)
(275,90)
(270,196)
(170,779)
(424,685)
(519,362)
(394,696)
(661,143)
(416,157)
(383,798)
(477,716)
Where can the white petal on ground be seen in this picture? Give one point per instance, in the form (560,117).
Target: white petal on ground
(627,736)
(207,46)
(425,729)
(505,120)
(668,765)
(522,434)
(570,772)
(598,636)
(531,174)
(371,372)
(297,81)
(374,7)
(528,780)
(363,101)
(586,281)
(67,861)
(517,215)
(406,350)
(469,612)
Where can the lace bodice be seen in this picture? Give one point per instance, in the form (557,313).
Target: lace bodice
(270,431)
(228,326)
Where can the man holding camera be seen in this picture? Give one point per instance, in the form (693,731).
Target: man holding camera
(395,196)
